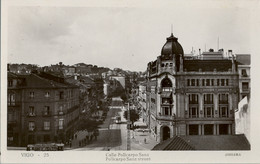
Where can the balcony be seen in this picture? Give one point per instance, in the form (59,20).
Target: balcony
(31,114)
(61,113)
(245,90)
(32,129)
(164,117)
(46,114)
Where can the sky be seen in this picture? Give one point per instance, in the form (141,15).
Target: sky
(126,37)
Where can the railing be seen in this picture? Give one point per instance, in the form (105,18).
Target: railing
(164,117)
(32,129)
(60,113)
(46,114)
(31,114)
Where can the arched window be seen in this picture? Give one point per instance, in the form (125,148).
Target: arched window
(166,83)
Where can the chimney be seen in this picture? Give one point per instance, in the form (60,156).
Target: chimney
(229,53)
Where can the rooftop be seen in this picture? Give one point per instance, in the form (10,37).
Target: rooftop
(205,142)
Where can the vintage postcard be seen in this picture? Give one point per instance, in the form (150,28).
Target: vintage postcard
(114,81)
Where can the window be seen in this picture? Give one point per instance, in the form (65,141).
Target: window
(31,111)
(31,95)
(46,125)
(245,86)
(222,82)
(223,111)
(223,99)
(166,111)
(193,99)
(61,122)
(61,110)
(46,110)
(31,126)
(218,82)
(208,112)
(198,83)
(10,83)
(203,82)
(47,94)
(227,83)
(188,82)
(212,82)
(162,65)
(194,112)
(208,129)
(193,129)
(11,99)
(61,95)
(244,73)
(207,82)
(170,64)
(192,82)
(166,83)
(208,99)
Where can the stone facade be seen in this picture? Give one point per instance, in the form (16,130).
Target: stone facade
(194,95)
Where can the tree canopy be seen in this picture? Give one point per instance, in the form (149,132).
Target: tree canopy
(134,116)
(88,124)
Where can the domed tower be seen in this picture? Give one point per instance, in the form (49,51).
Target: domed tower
(171,58)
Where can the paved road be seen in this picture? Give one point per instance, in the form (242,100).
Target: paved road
(109,134)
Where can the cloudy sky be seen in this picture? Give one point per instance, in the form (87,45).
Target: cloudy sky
(126,37)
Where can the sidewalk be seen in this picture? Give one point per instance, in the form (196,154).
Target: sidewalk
(142,140)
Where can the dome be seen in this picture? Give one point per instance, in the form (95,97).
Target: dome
(172,46)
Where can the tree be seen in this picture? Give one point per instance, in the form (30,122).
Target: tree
(88,124)
(134,116)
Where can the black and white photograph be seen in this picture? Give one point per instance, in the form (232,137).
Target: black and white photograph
(129,81)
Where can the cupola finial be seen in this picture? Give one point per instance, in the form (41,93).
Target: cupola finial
(171,30)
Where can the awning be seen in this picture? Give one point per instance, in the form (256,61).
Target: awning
(166,94)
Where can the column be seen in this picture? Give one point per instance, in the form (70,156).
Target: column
(201,105)
(216,114)
(199,129)
(214,129)
(186,106)
(229,129)
(230,104)
(202,129)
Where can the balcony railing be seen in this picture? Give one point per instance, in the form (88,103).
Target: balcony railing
(31,114)
(32,129)
(164,117)
(46,114)
(60,113)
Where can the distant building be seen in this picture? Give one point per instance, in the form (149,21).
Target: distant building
(42,108)
(194,95)
(142,102)
(121,79)
(243,66)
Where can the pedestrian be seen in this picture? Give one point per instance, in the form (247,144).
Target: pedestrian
(145,140)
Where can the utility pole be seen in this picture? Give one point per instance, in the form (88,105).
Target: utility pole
(128,129)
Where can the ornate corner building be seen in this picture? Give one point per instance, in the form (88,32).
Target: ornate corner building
(191,95)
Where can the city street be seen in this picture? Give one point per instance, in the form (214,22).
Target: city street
(113,136)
